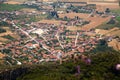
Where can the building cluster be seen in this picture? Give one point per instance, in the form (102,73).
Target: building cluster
(44,42)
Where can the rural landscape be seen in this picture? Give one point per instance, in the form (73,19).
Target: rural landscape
(59,39)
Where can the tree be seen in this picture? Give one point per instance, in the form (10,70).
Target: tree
(107,10)
(65,18)
(2,30)
(119,2)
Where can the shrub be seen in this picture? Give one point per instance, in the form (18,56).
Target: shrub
(2,30)
(101,68)
(8,37)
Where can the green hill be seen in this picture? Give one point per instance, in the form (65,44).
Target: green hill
(102,67)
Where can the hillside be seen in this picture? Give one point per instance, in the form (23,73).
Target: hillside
(102,67)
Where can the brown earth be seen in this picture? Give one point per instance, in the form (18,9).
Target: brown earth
(52,21)
(13,2)
(112,32)
(95,21)
(72,15)
(103,5)
(115,44)
(28,10)
(8,32)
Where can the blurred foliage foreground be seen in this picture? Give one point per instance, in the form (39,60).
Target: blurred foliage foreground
(102,67)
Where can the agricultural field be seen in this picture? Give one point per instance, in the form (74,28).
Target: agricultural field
(19,1)
(103,5)
(11,7)
(94,21)
(113,23)
(72,15)
(12,2)
(52,22)
(8,35)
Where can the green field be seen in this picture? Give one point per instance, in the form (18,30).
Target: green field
(118,18)
(11,7)
(117,11)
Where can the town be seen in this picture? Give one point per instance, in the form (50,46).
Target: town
(59,39)
(51,31)
(42,40)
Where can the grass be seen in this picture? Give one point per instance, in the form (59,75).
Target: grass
(8,37)
(11,7)
(117,11)
(118,18)
(106,26)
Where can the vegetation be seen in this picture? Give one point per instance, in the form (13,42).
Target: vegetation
(102,47)
(2,23)
(116,11)
(11,7)
(101,68)
(8,37)
(118,18)
(37,18)
(106,26)
(78,9)
(110,24)
(113,22)
(53,15)
(14,7)
(2,30)
(33,6)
